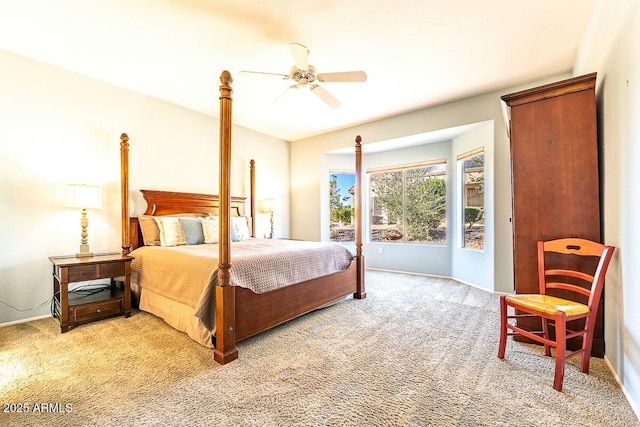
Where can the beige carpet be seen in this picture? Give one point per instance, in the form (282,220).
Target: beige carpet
(418,351)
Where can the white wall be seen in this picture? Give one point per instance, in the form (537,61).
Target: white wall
(611,48)
(471,266)
(57,127)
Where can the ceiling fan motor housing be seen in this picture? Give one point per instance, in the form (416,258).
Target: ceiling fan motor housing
(303,76)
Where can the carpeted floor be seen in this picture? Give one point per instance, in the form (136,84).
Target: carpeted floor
(418,351)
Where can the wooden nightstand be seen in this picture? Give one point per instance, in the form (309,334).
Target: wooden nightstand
(110,302)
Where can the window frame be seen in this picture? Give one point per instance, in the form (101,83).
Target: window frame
(339,172)
(461,217)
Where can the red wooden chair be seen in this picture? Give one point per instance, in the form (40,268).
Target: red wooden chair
(553,310)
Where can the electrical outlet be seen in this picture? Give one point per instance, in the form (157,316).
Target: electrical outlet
(380,251)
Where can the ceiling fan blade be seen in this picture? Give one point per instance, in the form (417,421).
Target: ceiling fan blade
(300,56)
(345,76)
(325,96)
(260,73)
(282,96)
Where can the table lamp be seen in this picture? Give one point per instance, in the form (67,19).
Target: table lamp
(84,197)
(266,206)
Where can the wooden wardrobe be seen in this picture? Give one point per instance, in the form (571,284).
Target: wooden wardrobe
(555,175)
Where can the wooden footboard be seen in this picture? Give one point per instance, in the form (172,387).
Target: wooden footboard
(256,313)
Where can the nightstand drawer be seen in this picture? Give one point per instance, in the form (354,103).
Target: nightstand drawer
(82,313)
(114,269)
(81,273)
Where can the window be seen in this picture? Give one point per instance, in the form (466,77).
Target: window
(473,199)
(341,208)
(408,204)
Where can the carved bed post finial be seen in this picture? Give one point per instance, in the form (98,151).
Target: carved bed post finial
(124,192)
(225,84)
(360,292)
(225,336)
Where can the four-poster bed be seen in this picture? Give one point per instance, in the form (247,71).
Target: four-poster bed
(226,308)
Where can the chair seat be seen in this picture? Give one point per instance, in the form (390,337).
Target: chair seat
(548,304)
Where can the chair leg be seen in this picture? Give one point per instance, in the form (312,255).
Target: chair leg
(503,327)
(561,351)
(545,333)
(587,343)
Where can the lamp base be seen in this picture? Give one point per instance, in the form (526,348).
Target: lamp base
(84,252)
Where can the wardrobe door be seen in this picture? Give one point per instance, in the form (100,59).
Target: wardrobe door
(555,176)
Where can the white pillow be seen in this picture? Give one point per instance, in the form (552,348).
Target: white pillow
(171,231)
(240,227)
(210,229)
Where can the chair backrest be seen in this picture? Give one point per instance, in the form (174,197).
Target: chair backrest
(573,276)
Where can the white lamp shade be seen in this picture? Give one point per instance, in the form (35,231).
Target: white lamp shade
(266,205)
(84,196)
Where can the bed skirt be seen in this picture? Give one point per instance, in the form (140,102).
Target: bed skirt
(178,315)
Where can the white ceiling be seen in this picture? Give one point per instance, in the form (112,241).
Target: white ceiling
(416,53)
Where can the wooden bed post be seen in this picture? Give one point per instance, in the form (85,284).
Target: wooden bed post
(124,192)
(360,291)
(225,337)
(252,200)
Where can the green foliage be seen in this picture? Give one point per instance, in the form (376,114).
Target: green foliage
(342,214)
(426,205)
(472,214)
(338,210)
(387,187)
(423,206)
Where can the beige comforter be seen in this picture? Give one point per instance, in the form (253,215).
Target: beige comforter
(188,274)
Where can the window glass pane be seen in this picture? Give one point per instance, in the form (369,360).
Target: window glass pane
(426,204)
(341,208)
(473,203)
(409,205)
(386,206)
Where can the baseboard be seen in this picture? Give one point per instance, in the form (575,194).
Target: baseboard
(17,322)
(635,408)
(413,273)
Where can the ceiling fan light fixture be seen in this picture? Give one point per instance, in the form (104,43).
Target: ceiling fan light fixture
(301,76)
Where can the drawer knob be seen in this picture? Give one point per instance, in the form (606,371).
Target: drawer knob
(98,311)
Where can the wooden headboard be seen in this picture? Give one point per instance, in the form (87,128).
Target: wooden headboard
(172,202)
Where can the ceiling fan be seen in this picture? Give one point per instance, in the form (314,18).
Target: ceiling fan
(306,76)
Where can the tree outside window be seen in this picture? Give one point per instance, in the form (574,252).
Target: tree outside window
(341,209)
(409,205)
